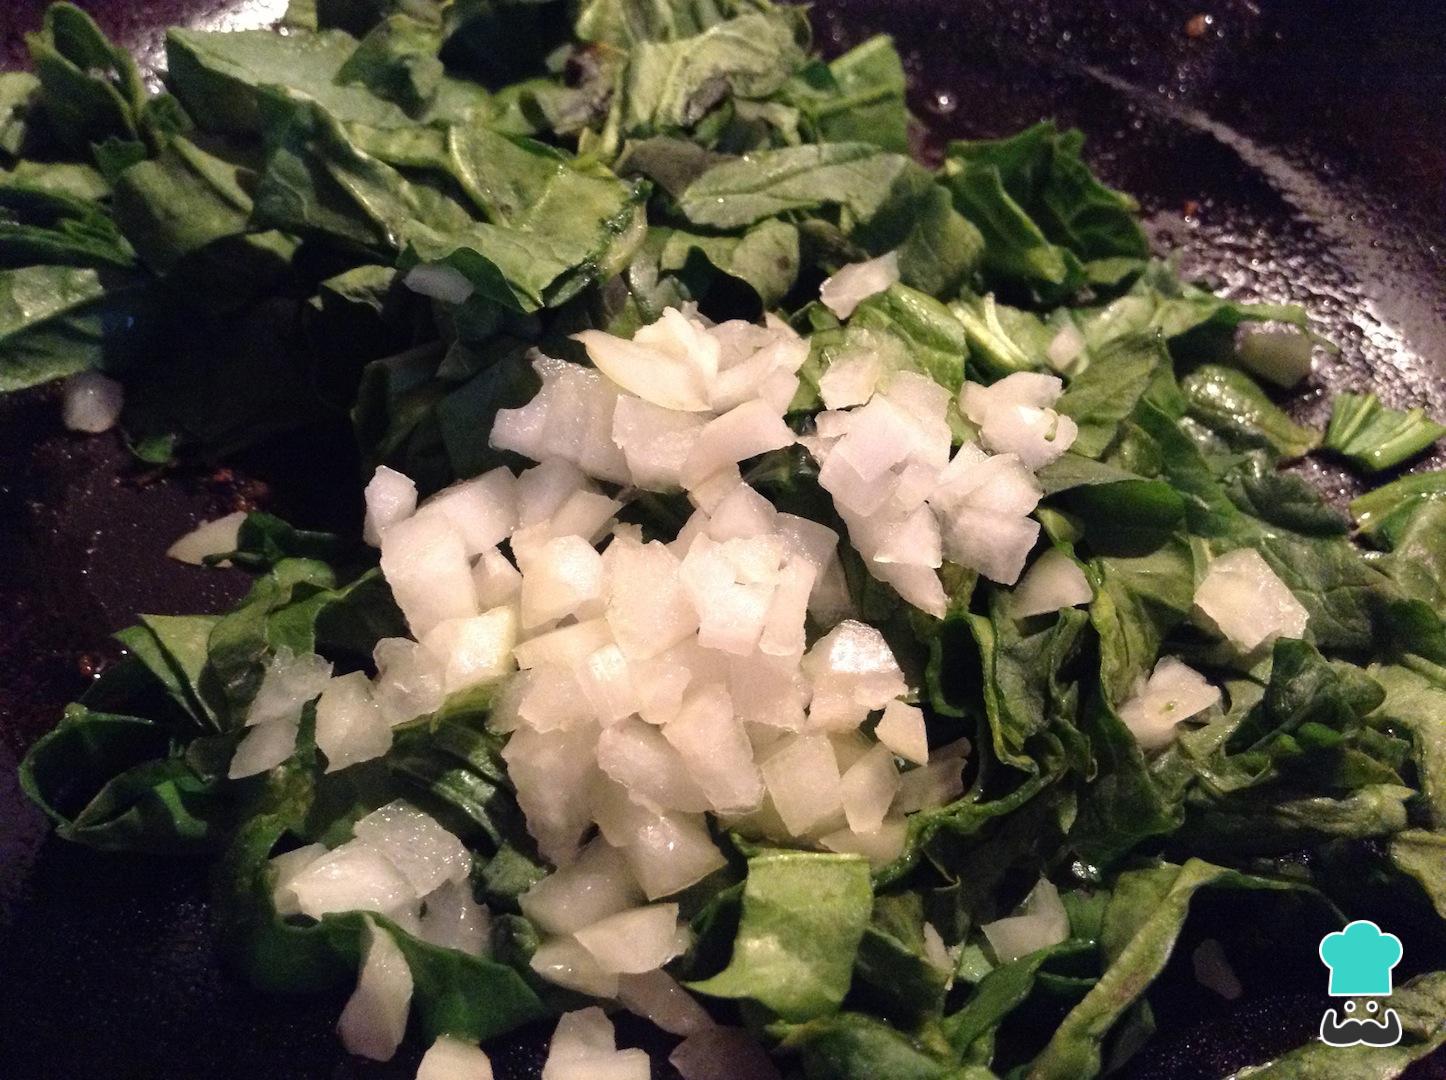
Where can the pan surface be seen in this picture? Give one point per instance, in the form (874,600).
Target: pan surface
(1291,150)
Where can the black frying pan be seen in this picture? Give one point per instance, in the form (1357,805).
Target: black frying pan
(1291,149)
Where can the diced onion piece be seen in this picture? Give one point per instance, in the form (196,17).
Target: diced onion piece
(587,514)
(880,847)
(284,868)
(483,510)
(655,441)
(453,1059)
(902,730)
(476,649)
(636,755)
(559,579)
(438,281)
(570,418)
(851,379)
(868,788)
(1213,970)
(1247,602)
(375,1017)
(565,647)
(631,942)
(935,951)
(741,514)
(713,745)
(669,852)
(350,727)
(454,920)
(424,560)
(785,626)
(804,783)
(995,545)
(936,784)
(732,612)
(1052,583)
(553,773)
(425,853)
(918,585)
(409,679)
(1042,922)
(768,690)
(390,497)
(722,1053)
(264,747)
(564,962)
(595,885)
(853,672)
(657,996)
(1282,356)
(671,363)
(852,284)
(289,682)
(218,537)
(584,1048)
(544,489)
(92,402)
(649,610)
(353,877)
(744,432)
(1066,347)
(497,581)
(1173,693)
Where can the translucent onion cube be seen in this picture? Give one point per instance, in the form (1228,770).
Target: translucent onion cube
(741,514)
(1041,922)
(543,489)
(1053,582)
(744,432)
(284,868)
(476,649)
(375,1017)
(850,379)
(902,730)
(409,679)
(669,378)
(564,962)
(655,441)
(452,919)
(559,579)
(636,755)
(880,847)
(631,942)
(483,510)
(263,747)
(768,690)
(497,581)
(868,789)
(352,877)
(936,784)
(552,698)
(803,781)
(426,854)
(287,684)
(453,1059)
(598,883)
(585,1055)
(784,628)
(852,492)
(918,585)
(731,614)
(1249,604)
(649,610)
(853,672)
(880,436)
(994,544)
(657,996)
(669,852)
(994,482)
(852,284)
(570,418)
(218,537)
(565,647)
(350,727)
(713,745)
(1173,693)
(587,514)
(424,560)
(553,772)
(912,540)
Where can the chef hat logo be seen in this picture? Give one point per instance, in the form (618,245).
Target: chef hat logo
(1360,959)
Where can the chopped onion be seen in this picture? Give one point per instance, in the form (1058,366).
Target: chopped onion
(350,727)
(353,877)
(564,962)
(288,683)
(936,784)
(453,1059)
(655,441)
(1042,922)
(880,847)
(570,418)
(559,579)
(595,885)
(853,672)
(713,745)
(742,514)
(648,610)
(1245,600)
(390,497)
(636,755)
(497,581)
(438,281)
(722,1053)
(409,679)
(935,951)
(902,730)
(264,747)
(92,402)
(565,647)
(424,560)
(426,854)
(669,852)
(284,868)
(856,282)
(217,537)
(483,510)
(1213,970)
(584,1048)
(751,429)
(544,489)
(632,942)
(850,379)
(804,783)
(553,773)
(1174,692)
(670,363)
(375,1017)
(657,996)
(1052,583)
(476,649)
(452,919)
(868,788)
(1065,348)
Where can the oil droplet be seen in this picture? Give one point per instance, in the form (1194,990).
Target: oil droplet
(943,102)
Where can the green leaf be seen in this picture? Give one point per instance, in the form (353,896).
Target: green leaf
(1418,705)
(1422,855)
(398,61)
(855,1046)
(1382,513)
(892,976)
(1102,396)
(91,90)
(1374,437)
(19,97)
(1139,598)
(173,650)
(803,917)
(1230,403)
(1002,990)
(934,340)
(43,222)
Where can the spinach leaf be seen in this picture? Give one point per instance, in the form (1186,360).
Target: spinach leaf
(91,90)
(1374,437)
(1230,403)
(1381,514)
(855,1046)
(858,97)
(803,917)
(1105,393)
